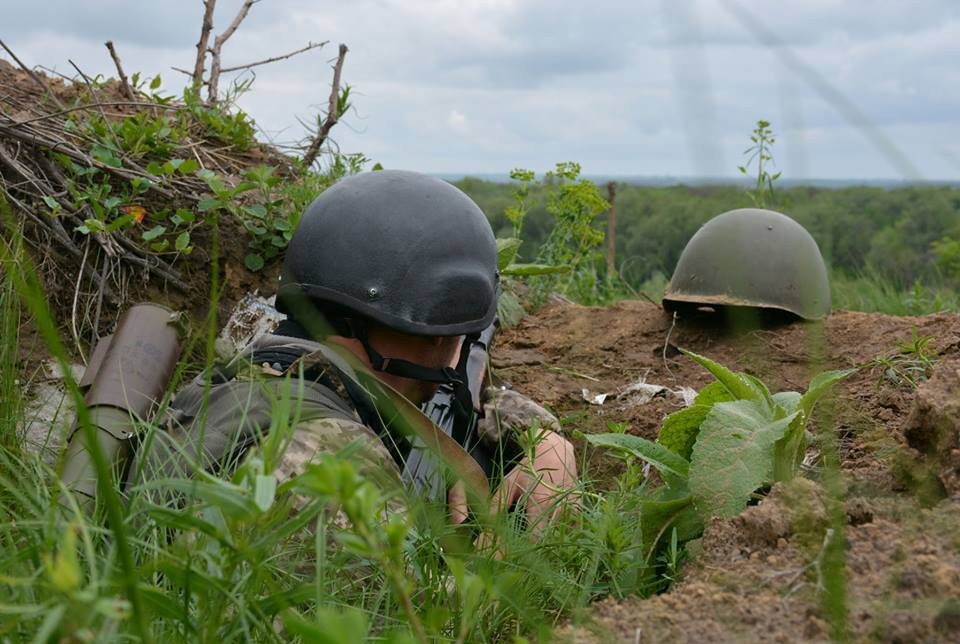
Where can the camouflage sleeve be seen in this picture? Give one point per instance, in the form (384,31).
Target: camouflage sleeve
(313,438)
(507,414)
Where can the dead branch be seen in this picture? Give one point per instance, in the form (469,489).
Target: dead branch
(333,114)
(93,95)
(39,81)
(84,159)
(185,72)
(124,83)
(94,106)
(213,81)
(198,66)
(312,45)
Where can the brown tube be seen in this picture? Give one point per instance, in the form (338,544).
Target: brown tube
(127,375)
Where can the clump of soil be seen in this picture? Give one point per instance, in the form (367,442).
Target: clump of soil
(756,576)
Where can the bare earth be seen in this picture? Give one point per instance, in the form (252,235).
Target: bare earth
(755,577)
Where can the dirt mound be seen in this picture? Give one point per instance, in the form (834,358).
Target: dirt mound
(756,577)
(73,150)
(933,427)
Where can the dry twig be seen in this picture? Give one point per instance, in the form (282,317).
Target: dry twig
(333,114)
(213,81)
(310,45)
(198,66)
(124,83)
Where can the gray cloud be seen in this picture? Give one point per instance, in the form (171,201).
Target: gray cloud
(651,87)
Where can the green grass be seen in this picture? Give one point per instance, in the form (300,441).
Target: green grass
(10,333)
(873,293)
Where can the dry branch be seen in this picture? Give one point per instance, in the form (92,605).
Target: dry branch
(333,114)
(213,81)
(198,66)
(124,83)
(312,45)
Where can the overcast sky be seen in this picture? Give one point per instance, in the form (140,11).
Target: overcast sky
(854,88)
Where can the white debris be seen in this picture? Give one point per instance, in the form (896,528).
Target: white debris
(687,394)
(252,317)
(640,393)
(48,410)
(597,399)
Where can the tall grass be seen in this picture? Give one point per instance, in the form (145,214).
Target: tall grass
(874,293)
(205,558)
(9,342)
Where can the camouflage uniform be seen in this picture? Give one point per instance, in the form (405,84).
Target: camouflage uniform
(245,396)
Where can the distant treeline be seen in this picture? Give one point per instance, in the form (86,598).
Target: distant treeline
(887,232)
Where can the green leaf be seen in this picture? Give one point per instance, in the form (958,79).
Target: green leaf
(526,270)
(659,517)
(188,523)
(183,241)
(182,216)
(51,203)
(788,401)
(680,429)
(714,392)
(160,246)
(154,168)
(264,491)
(328,626)
(153,233)
(733,456)
(120,222)
(141,184)
(105,156)
(94,225)
(253,261)
(256,210)
(671,466)
(820,384)
(208,204)
(740,387)
(155,83)
(233,500)
(506,251)
(188,167)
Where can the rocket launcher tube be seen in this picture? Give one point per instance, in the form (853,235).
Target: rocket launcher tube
(127,375)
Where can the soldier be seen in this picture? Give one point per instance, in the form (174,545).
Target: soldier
(393,270)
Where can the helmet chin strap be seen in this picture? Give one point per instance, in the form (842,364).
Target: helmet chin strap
(455,377)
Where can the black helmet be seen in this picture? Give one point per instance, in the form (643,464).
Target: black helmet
(408,251)
(754,258)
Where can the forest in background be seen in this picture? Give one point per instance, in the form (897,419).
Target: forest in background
(901,238)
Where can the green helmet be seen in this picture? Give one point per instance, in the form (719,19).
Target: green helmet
(753,258)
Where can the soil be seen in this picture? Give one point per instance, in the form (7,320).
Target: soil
(83,303)
(755,577)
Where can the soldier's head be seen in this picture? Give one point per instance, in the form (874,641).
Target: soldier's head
(397,263)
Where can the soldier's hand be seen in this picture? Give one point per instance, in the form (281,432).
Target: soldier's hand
(543,481)
(457,507)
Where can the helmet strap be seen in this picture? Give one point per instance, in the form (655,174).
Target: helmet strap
(455,377)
